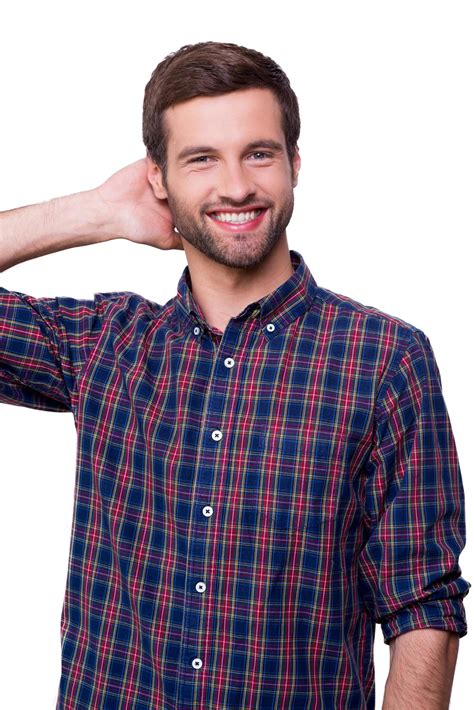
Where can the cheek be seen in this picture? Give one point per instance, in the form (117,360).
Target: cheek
(194,198)
(180,201)
(276,184)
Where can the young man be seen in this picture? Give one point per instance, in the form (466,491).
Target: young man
(265,468)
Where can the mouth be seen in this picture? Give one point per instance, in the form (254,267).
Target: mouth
(233,221)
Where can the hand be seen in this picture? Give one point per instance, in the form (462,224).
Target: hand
(134,211)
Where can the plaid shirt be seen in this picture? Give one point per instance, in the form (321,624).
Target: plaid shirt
(248,504)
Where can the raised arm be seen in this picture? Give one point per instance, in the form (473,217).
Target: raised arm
(123,207)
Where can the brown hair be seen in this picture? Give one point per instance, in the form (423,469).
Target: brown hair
(210,69)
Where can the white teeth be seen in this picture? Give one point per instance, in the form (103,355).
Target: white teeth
(235,217)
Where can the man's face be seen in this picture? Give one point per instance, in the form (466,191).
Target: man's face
(232,169)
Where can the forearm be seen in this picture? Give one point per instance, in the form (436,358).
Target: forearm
(422,664)
(47,227)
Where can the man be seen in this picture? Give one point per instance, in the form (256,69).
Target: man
(266,469)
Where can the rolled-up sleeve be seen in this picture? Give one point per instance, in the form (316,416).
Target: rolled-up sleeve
(409,573)
(44,344)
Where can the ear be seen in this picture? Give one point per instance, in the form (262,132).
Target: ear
(155,178)
(296,166)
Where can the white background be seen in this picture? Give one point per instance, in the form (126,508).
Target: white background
(383,214)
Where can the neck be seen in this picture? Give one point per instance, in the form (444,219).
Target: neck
(223,292)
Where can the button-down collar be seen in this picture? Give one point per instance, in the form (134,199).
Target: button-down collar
(288,301)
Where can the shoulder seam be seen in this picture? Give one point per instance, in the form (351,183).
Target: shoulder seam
(393,369)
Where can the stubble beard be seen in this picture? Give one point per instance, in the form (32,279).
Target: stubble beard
(241,250)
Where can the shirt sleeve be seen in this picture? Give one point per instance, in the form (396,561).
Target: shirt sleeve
(409,574)
(44,344)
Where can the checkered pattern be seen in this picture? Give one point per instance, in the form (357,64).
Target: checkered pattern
(248,504)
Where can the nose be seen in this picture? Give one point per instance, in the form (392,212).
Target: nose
(235,183)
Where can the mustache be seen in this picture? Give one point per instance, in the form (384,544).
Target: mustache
(241,206)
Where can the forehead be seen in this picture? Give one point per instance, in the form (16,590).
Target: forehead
(229,119)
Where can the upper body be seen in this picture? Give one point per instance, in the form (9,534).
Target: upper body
(252,501)
(265,468)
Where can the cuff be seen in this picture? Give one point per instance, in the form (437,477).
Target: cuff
(446,614)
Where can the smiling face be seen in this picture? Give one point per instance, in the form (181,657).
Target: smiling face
(227,161)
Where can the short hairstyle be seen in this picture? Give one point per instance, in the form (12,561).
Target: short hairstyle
(212,69)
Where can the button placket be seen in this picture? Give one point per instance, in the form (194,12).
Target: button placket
(206,473)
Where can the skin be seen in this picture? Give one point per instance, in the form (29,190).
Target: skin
(422,665)
(229,270)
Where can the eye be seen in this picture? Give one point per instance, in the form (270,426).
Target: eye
(260,152)
(199,159)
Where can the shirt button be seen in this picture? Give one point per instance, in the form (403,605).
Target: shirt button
(270,327)
(229,362)
(217,435)
(200,587)
(197,330)
(197,663)
(207,511)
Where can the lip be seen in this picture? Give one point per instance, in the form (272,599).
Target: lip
(245,226)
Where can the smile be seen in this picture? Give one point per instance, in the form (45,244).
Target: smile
(234,221)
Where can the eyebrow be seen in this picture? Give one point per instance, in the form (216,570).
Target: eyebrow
(263,143)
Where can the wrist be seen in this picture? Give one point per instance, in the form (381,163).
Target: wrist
(85,216)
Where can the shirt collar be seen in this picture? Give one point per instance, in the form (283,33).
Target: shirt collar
(291,299)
